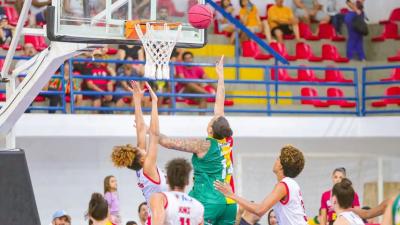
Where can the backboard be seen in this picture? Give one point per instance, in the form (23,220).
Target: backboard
(103,21)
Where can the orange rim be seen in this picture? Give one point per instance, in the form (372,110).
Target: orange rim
(130,31)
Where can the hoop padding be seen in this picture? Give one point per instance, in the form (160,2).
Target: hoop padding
(158,45)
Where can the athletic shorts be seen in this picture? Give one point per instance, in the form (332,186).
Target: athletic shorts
(286,30)
(218,214)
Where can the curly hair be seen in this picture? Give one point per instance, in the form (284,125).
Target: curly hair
(292,161)
(126,156)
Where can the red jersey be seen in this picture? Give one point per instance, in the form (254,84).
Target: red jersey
(100,71)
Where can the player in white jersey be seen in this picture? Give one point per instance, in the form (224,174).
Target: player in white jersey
(342,200)
(286,197)
(175,207)
(150,178)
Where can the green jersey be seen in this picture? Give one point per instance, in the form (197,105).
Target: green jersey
(208,169)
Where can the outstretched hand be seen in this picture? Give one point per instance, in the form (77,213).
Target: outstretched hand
(219,67)
(224,188)
(151,92)
(137,92)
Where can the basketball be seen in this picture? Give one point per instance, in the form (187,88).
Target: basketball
(200,16)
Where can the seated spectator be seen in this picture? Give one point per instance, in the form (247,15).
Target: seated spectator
(72,9)
(355,42)
(250,17)
(28,51)
(141,9)
(127,70)
(342,199)
(308,10)
(143,213)
(55,84)
(163,14)
(192,72)
(336,18)
(130,51)
(100,69)
(6,30)
(271,218)
(223,24)
(60,217)
(282,22)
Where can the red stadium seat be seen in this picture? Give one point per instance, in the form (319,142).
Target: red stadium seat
(2,97)
(217,31)
(170,6)
(390,31)
(391,91)
(336,76)
(312,92)
(111,51)
(306,33)
(251,49)
(37,41)
(330,52)
(338,93)
(327,31)
(7,46)
(394,16)
(11,14)
(210,89)
(39,98)
(281,49)
(395,58)
(304,51)
(283,75)
(307,75)
(395,75)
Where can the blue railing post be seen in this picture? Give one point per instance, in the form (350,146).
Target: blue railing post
(276,81)
(64,103)
(363,91)
(356,90)
(237,54)
(267,88)
(71,88)
(173,91)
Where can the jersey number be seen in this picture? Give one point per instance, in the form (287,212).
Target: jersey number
(184,221)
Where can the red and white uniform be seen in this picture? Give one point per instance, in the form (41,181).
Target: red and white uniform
(181,209)
(149,186)
(290,211)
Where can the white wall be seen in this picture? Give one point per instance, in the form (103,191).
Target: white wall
(69,155)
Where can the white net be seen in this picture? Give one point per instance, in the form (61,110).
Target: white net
(158,45)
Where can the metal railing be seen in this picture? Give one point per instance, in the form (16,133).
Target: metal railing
(368,84)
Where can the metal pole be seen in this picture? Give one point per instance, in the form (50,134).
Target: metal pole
(10,137)
(71,87)
(268,89)
(356,90)
(363,87)
(237,54)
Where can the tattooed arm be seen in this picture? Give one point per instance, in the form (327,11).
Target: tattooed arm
(192,145)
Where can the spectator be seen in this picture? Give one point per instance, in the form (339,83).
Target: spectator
(61,217)
(6,30)
(342,199)
(55,84)
(336,18)
(132,52)
(223,23)
(143,213)
(163,14)
(73,8)
(328,214)
(355,41)
(131,223)
(251,19)
(308,10)
(127,70)
(271,218)
(100,69)
(141,9)
(98,210)
(249,218)
(192,72)
(111,196)
(282,22)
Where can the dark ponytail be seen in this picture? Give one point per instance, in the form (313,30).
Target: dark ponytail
(221,128)
(344,193)
(98,208)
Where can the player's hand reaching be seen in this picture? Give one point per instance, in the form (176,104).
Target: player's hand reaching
(137,93)
(152,93)
(219,67)
(224,188)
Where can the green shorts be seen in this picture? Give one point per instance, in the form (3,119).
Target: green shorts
(218,214)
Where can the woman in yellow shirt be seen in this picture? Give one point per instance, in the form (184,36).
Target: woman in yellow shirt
(251,19)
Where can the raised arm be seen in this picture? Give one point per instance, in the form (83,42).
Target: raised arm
(220,95)
(259,209)
(150,163)
(157,203)
(137,95)
(192,145)
(374,212)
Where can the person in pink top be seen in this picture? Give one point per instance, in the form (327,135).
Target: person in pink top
(192,72)
(328,214)
(111,196)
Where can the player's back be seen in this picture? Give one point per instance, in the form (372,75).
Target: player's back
(181,209)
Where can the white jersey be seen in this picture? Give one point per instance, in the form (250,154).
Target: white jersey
(352,218)
(181,209)
(149,186)
(290,211)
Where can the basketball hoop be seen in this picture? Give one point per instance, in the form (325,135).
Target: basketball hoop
(158,43)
